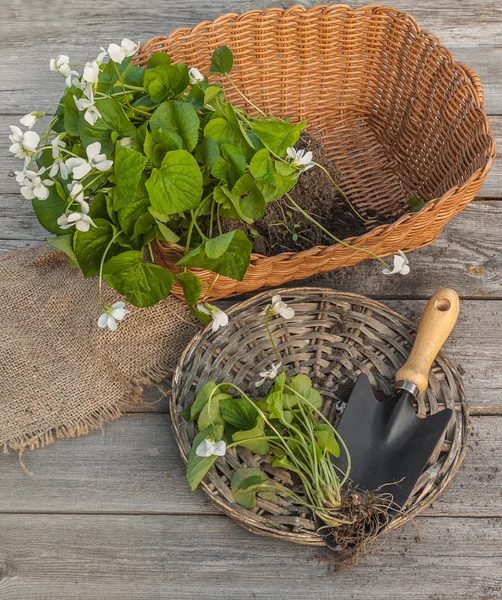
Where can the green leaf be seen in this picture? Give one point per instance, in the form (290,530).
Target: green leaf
(210,414)
(133,75)
(247,199)
(198,466)
(415,204)
(49,210)
(244,486)
(207,152)
(221,131)
(112,119)
(201,399)
(98,208)
(222,60)
(228,254)
(179,121)
(303,386)
(278,136)
(91,245)
(71,113)
(262,167)
(143,284)
(128,167)
(212,92)
(144,224)
(177,185)
(238,412)
(165,234)
(129,214)
(65,244)
(246,438)
(192,287)
(166,81)
(159,58)
(231,165)
(327,441)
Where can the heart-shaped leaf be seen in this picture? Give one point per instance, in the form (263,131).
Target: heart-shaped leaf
(177,185)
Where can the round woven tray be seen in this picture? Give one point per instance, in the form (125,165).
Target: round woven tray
(333,337)
(397,115)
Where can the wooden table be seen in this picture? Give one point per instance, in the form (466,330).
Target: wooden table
(110,516)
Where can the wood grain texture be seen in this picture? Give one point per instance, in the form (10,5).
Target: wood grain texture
(466,256)
(180,558)
(135,467)
(8,164)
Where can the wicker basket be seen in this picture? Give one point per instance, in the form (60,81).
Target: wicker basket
(396,113)
(333,337)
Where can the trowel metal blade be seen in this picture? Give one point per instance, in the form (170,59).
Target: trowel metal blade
(389,445)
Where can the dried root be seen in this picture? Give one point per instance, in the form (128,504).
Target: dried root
(352,530)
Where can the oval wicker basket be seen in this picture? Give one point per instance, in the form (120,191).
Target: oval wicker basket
(398,116)
(333,337)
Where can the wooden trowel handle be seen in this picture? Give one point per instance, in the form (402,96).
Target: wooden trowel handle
(439,318)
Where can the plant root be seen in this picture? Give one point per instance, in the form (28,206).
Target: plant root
(352,530)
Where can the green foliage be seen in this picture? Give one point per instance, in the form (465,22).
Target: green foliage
(142,283)
(222,60)
(245,486)
(181,157)
(415,204)
(228,254)
(198,466)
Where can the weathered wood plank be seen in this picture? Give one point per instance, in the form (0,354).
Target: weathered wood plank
(186,558)
(466,256)
(135,467)
(9,164)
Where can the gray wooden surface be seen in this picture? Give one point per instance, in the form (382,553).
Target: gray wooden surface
(109,516)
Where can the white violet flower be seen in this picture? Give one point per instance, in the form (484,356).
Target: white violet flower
(127,142)
(101,56)
(115,312)
(220,318)
(80,167)
(210,448)
(23,142)
(81,221)
(59,166)
(76,190)
(278,307)
(118,53)
(30,119)
(300,158)
(21,175)
(195,76)
(86,103)
(91,72)
(56,144)
(269,374)
(61,65)
(34,187)
(401,265)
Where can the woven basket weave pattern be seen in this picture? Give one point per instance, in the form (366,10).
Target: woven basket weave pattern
(396,114)
(332,338)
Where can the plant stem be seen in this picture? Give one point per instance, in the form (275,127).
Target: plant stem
(333,237)
(210,288)
(346,198)
(100,280)
(122,85)
(318,412)
(244,96)
(267,327)
(152,258)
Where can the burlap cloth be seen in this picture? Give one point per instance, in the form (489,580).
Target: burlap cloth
(60,375)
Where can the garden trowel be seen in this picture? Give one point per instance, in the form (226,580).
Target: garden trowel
(388,443)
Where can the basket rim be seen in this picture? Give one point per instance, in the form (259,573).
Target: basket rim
(376,9)
(242,516)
